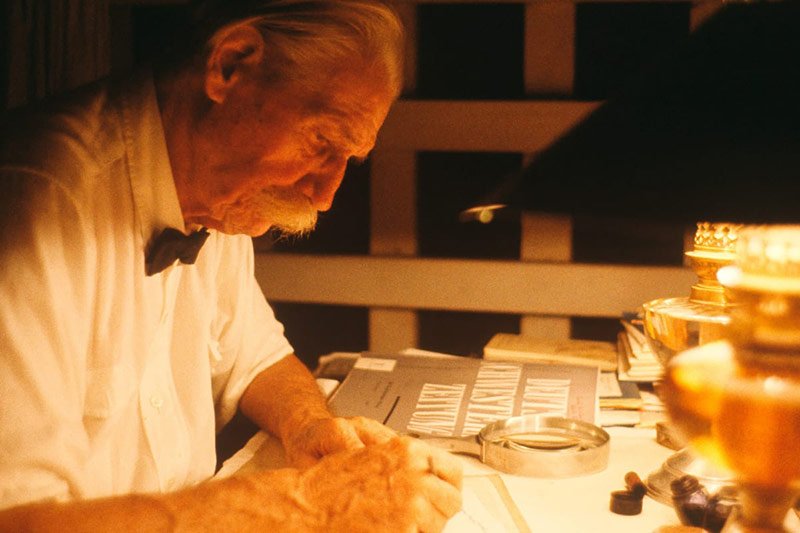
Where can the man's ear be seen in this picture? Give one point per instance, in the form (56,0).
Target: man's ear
(240,50)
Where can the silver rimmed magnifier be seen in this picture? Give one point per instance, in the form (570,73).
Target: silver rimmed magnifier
(538,445)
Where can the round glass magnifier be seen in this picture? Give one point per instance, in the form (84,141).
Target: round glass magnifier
(538,445)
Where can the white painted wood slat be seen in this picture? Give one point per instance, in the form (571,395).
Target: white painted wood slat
(467,285)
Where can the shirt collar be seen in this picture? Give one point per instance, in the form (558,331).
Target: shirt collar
(152,183)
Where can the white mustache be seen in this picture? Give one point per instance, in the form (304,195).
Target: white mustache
(291,212)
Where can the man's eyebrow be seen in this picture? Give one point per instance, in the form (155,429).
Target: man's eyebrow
(352,137)
(341,131)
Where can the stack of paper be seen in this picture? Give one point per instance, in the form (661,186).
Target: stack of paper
(614,394)
(619,402)
(637,362)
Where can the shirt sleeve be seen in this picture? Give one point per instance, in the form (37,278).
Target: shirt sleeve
(45,287)
(250,338)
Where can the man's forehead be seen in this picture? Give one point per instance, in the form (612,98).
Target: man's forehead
(357,102)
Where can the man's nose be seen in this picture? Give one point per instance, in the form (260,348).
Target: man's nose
(321,184)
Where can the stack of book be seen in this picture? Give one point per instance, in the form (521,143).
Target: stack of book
(624,371)
(637,362)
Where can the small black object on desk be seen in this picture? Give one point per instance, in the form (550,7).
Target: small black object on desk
(695,507)
(629,501)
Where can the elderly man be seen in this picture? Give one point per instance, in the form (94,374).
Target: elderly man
(119,362)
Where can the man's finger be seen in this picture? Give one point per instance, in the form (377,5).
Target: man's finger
(321,438)
(446,466)
(344,436)
(371,431)
(429,519)
(442,495)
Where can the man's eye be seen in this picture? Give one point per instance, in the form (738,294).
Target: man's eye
(318,144)
(321,140)
(313,146)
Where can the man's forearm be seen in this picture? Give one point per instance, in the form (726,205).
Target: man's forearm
(234,504)
(395,486)
(283,398)
(132,513)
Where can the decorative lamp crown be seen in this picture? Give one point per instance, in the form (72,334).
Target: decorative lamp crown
(714,247)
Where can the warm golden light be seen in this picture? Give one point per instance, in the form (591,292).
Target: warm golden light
(738,401)
(482,213)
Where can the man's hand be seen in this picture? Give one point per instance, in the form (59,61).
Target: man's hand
(401,485)
(284,399)
(323,436)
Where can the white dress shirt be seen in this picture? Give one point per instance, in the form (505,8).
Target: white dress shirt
(112,381)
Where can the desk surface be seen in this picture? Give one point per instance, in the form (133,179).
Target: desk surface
(580,504)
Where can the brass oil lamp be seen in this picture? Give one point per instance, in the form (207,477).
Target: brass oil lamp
(673,325)
(737,401)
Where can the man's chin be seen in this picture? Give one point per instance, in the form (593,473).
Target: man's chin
(277,230)
(291,232)
(292,226)
(296,224)
(236,229)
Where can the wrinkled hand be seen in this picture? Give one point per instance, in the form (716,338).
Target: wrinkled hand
(324,436)
(401,485)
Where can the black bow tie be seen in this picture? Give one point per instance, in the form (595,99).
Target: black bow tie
(171,245)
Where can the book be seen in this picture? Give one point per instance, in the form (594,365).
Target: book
(637,362)
(615,394)
(513,347)
(619,401)
(458,396)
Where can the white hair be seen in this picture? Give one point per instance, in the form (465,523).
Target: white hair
(310,39)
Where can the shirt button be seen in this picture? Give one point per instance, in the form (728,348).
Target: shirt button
(156,402)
